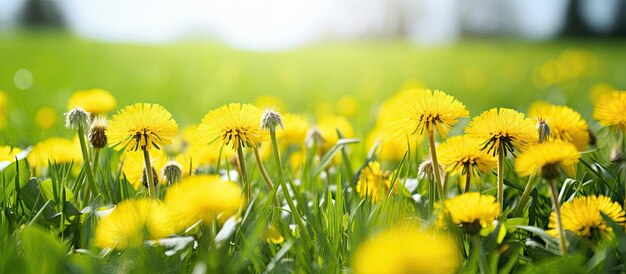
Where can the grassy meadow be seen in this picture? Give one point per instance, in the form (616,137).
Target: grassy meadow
(348,184)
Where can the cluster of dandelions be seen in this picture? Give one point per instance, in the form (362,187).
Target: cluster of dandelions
(546,144)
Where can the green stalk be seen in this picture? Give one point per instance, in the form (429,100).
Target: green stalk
(477,245)
(468,178)
(244,173)
(433,157)
(557,213)
(501,178)
(148,165)
(519,210)
(86,162)
(266,177)
(281,179)
(259,162)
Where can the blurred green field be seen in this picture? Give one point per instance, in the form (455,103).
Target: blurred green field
(189,78)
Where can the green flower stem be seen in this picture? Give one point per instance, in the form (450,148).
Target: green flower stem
(477,255)
(468,179)
(96,155)
(86,162)
(259,162)
(244,173)
(148,165)
(519,210)
(501,178)
(433,157)
(281,179)
(266,177)
(557,213)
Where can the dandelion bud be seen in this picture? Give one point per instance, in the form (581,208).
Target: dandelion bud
(616,155)
(97,136)
(144,177)
(543,130)
(271,119)
(426,171)
(77,117)
(172,172)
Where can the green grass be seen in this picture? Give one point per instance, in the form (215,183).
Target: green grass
(47,222)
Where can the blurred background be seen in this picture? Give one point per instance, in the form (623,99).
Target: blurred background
(339,57)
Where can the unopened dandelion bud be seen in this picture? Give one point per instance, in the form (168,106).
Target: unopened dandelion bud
(271,119)
(97,132)
(172,172)
(543,130)
(426,171)
(77,117)
(144,177)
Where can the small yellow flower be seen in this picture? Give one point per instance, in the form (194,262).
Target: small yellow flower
(54,150)
(203,198)
(565,123)
(94,101)
(8,153)
(610,110)
(141,126)
(582,216)
(274,235)
(503,129)
(294,129)
(462,154)
(373,182)
(545,157)
(133,166)
(407,251)
(133,222)
(472,211)
(232,124)
(425,110)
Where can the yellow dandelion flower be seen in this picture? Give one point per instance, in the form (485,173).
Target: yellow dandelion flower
(328,125)
(503,130)
(133,166)
(373,182)
(425,110)
(463,154)
(203,198)
(472,211)
(610,110)
(406,251)
(565,123)
(54,150)
(8,153)
(294,129)
(94,101)
(232,124)
(141,127)
(132,222)
(582,216)
(547,157)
